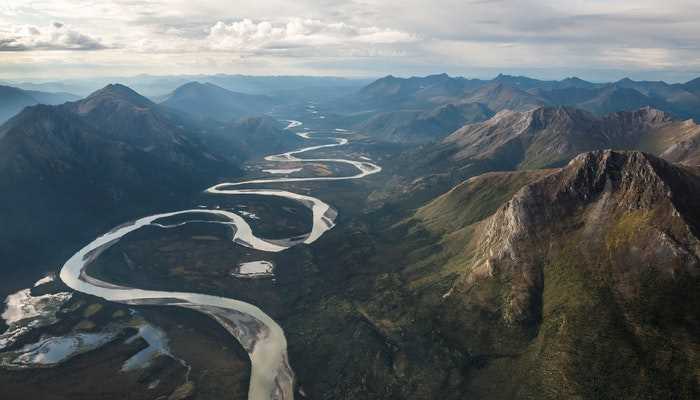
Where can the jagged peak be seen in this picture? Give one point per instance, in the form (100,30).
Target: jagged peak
(641,172)
(602,158)
(646,114)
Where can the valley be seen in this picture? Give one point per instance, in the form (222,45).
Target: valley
(542,252)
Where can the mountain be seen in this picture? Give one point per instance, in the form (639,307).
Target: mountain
(552,136)
(206,100)
(693,86)
(422,126)
(68,172)
(121,113)
(391,93)
(499,96)
(676,142)
(13,100)
(518,93)
(579,282)
(616,98)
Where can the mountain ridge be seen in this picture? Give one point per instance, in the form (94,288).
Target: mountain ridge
(570,273)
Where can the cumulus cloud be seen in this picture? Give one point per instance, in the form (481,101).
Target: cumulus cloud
(247,35)
(56,36)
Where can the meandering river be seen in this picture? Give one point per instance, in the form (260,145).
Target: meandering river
(271,375)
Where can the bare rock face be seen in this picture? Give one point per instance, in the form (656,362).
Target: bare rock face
(594,198)
(551,136)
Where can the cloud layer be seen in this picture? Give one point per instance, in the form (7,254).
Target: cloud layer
(55,36)
(296,32)
(354,37)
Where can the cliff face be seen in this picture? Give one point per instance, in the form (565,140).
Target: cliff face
(583,283)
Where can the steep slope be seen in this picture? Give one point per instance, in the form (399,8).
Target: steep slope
(423,126)
(676,142)
(121,113)
(582,284)
(552,136)
(13,100)
(206,100)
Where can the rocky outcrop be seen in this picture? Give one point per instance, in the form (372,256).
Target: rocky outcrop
(552,136)
(581,283)
(593,199)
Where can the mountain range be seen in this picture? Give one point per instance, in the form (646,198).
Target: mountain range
(206,100)
(106,158)
(550,137)
(422,126)
(393,97)
(524,238)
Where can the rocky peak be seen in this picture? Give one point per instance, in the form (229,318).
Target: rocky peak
(592,196)
(543,117)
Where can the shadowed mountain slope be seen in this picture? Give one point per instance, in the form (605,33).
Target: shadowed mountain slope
(78,168)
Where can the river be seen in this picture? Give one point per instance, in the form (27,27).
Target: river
(271,374)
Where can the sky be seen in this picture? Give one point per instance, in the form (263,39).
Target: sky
(595,40)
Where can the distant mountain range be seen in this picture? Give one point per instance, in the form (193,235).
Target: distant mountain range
(206,100)
(13,100)
(421,126)
(391,95)
(522,93)
(156,86)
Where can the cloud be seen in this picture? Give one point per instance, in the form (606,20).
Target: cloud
(56,36)
(355,37)
(247,35)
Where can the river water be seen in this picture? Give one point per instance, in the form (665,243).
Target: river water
(271,375)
